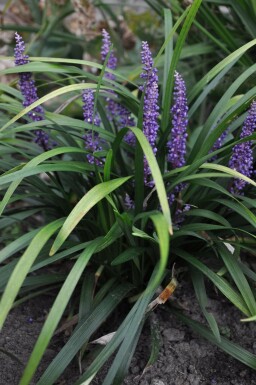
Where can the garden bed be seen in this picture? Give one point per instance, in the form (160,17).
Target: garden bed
(185,358)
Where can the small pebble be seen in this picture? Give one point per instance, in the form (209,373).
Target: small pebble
(135,369)
(243,373)
(174,334)
(157,382)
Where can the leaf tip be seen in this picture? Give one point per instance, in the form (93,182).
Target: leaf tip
(52,251)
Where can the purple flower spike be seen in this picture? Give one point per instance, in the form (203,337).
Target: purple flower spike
(20,57)
(91,139)
(112,60)
(176,147)
(116,112)
(242,155)
(150,108)
(177,144)
(29,91)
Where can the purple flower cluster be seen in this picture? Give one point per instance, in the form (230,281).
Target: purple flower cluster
(177,145)
(242,155)
(116,112)
(179,216)
(217,145)
(91,139)
(128,202)
(112,60)
(29,91)
(150,108)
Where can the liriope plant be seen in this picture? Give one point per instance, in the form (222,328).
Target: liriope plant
(136,172)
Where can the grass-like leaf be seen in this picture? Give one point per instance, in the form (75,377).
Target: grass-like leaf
(198,282)
(156,174)
(238,276)
(95,195)
(219,282)
(229,347)
(31,164)
(216,69)
(23,266)
(81,335)
(57,310)
(176,54)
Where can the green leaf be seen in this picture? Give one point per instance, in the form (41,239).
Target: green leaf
(219,282)
(17,245)
(249,319)
(237,274)
(37,66)
(215,70)
(169,33)
(114,233)
(141,234)
(219,110)
(17,217)
(57,310)
(163,238)
(240,209)
(156,174)
(229,171)
(117,371)
(32,163)
(227,346)
(56,166)
(126,333)
(155,342)
(176,55)
(209,215)
(169,47)
(95,195)
(120,366)
(107,166)
(23,266)
(198,282)
(82,334)
(127,255)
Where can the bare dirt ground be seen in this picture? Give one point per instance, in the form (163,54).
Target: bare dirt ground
(185,358)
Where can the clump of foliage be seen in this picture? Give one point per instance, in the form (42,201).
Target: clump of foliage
(142,171)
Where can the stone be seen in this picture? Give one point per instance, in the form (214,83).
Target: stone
(173,335)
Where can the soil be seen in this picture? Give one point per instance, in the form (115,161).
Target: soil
(185,358)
